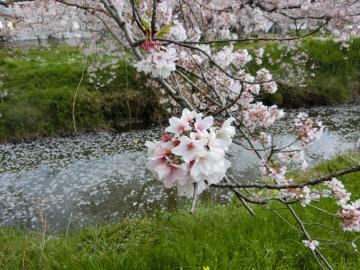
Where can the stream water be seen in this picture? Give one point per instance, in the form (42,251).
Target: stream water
(100,178)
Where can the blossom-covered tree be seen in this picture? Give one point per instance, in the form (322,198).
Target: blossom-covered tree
(194,52)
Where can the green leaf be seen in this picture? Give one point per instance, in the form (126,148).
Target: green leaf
(163,31)
(146,25)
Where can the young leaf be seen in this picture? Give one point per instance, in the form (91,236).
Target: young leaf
(163,31)
(146,25)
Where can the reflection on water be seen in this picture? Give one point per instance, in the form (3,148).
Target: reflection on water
(101,178)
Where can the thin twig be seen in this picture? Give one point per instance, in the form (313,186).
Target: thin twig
(76,93)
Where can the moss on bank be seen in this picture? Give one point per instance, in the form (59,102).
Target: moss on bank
(221,237)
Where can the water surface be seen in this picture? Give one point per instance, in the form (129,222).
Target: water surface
(101,178)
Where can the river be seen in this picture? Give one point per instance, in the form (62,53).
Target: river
(100,178)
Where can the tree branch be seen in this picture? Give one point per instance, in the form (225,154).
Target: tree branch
(311,182)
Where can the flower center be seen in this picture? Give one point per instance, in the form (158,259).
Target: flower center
(190,146)
(181,127)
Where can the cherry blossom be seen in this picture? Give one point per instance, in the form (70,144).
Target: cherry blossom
(307,129)
(10,25)
(270,87)
(222,138)
(241,58)
(312,244)
(178,125)
(350,216)
(189,116)
(203,124)
(189,148)
(257,114)
(338,191)
(294,156)
(195,154)
(159,63)
(275,171)
(225,57)
(177,31)
(190,54)
(263,75)
(264,138)
(203,168)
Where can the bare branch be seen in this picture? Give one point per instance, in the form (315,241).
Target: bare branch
(311,182)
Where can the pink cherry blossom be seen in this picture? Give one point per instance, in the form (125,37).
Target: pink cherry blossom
(307,129)
(338,191)
(194,154)
(350,217)
(189,149)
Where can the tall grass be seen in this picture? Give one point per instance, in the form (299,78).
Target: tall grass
(221,237)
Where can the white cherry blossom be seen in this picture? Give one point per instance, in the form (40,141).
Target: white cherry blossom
(312,244)
(203,124)
(189,116)
(189,149)
(159,63)
(177,125)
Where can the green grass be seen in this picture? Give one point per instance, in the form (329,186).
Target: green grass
(221,237)
(337,73)
(41,84)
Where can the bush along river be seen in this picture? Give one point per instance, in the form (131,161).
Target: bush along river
(66,183)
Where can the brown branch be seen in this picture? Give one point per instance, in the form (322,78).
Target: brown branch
(153,18)
(311,182)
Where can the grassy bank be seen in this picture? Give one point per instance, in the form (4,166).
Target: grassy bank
(331,72)
(221,237)
(39,85)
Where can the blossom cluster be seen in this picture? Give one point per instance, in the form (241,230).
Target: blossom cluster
(257,114)
(293,156)
(277,173)
(227,56)
(338,191)
(350,216)
(191,153)
(307,129)
(160,63)
(8,24)
(304,194)
(349,212)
